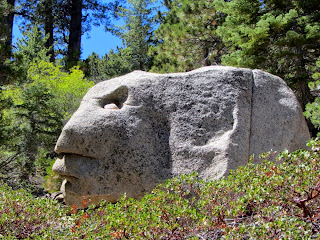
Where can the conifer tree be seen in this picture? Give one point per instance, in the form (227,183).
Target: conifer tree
(46,12)
(187,38)
(281,37)
(136,33)
(31,47)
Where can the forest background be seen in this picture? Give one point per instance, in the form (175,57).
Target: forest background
(43,78)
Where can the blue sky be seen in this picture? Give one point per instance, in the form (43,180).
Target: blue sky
(99,41)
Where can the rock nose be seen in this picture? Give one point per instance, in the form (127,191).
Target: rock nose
(74,137)
(86,133)
(67,141)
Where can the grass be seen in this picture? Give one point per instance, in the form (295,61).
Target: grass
(269,200)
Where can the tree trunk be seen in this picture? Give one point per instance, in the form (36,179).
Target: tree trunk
(304,97)
(9,23)
(48,27)
(75,32)
(7,51)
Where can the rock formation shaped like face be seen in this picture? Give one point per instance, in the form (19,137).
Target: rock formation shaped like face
(133,132)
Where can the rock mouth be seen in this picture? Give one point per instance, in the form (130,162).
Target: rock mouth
(70,179)
(71,154)
(74,166)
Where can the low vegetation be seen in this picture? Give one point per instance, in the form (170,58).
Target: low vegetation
(276,199)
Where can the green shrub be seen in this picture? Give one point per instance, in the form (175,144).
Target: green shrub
(34,120)
(312,110)
(22,216)
(273,200)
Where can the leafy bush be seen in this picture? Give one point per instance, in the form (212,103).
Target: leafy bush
(67,87)
(313,109)
(277,200)
(34,120)
(22,216)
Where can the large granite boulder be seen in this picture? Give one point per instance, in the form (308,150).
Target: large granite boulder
(133,132)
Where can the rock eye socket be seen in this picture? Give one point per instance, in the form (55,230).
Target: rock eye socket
(116,99)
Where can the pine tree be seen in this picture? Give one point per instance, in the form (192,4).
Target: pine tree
(45,10)
(187,38)
(75,32)
(30,48)
(136,33)
(81,15)
(281,37)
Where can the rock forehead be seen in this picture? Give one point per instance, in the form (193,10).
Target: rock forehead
(135,131)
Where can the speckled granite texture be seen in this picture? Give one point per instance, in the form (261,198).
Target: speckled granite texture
(133,132)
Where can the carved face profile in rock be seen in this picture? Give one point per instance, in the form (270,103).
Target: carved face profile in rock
(133,132)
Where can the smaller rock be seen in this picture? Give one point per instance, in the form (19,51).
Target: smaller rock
(57,196)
